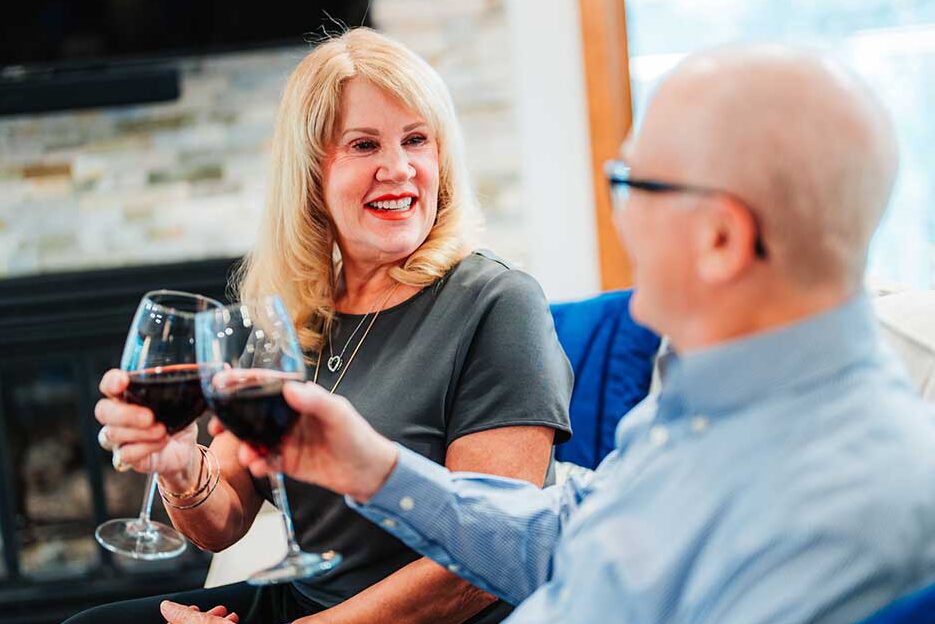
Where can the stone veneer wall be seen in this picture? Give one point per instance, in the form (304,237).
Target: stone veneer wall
(186,179)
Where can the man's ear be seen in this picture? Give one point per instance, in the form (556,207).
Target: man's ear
(725,239)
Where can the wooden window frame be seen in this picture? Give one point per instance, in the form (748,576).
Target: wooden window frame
(610,115)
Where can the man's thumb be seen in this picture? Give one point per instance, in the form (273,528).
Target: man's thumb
(305,398)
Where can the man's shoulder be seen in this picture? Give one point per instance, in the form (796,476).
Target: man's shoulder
(859,473)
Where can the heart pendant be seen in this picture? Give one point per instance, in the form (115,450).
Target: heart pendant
(334,363)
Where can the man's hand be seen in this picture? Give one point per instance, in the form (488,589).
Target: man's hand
(180,614)
(331,445)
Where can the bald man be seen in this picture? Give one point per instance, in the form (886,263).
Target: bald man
(786,472)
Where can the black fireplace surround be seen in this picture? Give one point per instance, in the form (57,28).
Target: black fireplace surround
(58,333)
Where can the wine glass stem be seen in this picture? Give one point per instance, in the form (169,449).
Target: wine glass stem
(277,484)
(147,506)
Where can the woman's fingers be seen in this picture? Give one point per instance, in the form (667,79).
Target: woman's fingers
(120,436)
(253,461)
(114,382)
(215,427)
(116,413)
(175,613)
(137,454)
(221,611)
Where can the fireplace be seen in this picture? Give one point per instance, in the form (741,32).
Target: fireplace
(58,333)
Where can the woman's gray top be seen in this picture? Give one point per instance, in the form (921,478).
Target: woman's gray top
(475,351)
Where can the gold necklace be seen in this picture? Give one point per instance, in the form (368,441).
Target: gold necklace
(335,362)
(359,344)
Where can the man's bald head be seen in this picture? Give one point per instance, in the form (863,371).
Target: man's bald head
(795,135)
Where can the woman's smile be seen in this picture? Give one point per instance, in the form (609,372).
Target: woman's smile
(392,207)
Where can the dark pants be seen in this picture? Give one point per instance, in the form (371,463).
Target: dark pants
(273,604)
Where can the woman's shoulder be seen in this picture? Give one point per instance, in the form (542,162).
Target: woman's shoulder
(484,273)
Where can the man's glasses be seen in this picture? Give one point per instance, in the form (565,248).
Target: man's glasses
(618,175)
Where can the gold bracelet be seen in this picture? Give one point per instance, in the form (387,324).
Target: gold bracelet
(213,484)
(205,489)
(200,481)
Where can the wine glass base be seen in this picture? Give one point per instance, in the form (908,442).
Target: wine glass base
(298,566)
(149,541)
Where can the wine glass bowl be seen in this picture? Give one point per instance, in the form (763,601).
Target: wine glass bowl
(160,362)
(246,353)
(250,404)
(173,393)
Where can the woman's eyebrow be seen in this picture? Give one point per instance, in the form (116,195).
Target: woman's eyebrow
(368,131)
(375,132)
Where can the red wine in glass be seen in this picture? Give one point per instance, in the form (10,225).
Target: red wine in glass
(256,412)
(247,351)
(173,393)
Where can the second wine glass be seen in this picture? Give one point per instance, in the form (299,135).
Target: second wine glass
(246,352)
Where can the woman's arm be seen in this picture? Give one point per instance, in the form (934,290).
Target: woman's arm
(228,512)
(423,591)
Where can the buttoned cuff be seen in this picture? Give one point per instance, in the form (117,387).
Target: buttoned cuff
(409,502)
(412,476)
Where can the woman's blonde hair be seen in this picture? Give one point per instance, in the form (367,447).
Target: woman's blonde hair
(296,254)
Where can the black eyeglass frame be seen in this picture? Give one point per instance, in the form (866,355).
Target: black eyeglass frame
(618,175)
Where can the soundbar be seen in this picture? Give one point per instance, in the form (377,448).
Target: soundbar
(56,90)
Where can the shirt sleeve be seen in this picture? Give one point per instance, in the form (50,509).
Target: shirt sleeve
(495,532)
(513,370)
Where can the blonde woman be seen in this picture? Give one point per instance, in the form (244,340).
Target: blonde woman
(444,349)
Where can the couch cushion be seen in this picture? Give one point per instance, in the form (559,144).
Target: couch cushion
(916,608)
(612,358)
(907,321)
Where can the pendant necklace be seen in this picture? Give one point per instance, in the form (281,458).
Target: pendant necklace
(336,362)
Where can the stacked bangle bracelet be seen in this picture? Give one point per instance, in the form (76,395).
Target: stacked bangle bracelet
(209,475)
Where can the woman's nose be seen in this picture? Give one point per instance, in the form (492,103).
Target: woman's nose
(395,167)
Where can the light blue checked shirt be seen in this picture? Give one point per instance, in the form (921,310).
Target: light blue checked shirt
(785,477)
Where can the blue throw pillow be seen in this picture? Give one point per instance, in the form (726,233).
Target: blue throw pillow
(612,358)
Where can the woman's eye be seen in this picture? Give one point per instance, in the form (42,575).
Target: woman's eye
(365,145)
(416,139)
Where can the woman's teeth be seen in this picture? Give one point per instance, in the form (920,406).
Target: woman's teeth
(393,204)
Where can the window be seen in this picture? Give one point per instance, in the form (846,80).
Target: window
(890,43)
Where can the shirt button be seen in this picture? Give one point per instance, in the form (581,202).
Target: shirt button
(658,435)
(389,523)
(454,567)
(406,503)
(699,424)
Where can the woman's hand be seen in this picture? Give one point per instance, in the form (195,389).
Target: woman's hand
(331,445)
(134,430)
(180,614)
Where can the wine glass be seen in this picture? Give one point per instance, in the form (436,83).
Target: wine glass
(159,358)
(246,352)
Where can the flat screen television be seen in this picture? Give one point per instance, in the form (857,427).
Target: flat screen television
(82,33)
(71,54)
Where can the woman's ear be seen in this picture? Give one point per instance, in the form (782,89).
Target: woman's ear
(725,239)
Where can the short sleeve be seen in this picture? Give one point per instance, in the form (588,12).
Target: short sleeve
(513,370)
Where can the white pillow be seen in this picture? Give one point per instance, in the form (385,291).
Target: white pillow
(907,321)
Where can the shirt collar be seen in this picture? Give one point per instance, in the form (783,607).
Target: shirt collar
(739,372)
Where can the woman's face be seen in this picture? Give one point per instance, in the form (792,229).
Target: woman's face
(380,177)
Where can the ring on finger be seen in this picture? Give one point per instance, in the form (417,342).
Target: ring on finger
(119,466)
(103,440)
